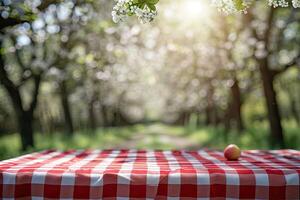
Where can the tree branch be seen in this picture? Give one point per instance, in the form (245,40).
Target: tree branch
(286,67)
(23,80)
(18,53)
(46,3)
(37,83)
(8,84)
(280,34)
(7,22)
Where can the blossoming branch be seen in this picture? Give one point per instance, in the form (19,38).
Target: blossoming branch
(145,10)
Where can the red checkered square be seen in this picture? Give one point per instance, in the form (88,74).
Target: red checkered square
(189,178)
(81,192)
(218,190)
(25,178)
(277,192)
(277,180)
(151,191)
(8,191)
(203,191)
(1,185)
(53,179)
(138,191)
(262,192)
(37,190)
(162,190)
(247,191)
(82,180)
(66,191)
(246,179)
(110,179)
(109,190)
(96,192)
(188,190)
(173,190)
(52,191)
(232,191)
(292,192)
(23,190)
(123,190)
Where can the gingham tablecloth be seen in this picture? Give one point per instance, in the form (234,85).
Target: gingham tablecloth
(131,174)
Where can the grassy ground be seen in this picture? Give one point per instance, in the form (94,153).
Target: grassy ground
(156,136)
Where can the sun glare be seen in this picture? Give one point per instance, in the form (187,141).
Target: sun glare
(195,9)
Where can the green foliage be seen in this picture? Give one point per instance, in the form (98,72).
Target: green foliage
(142,3)
(155,136)
(239,5)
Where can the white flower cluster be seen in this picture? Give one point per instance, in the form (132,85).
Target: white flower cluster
(278,3)
(226,6)
(284,3)
(296,3)
(229,7)
(119,12)
(145,15)
(125,8)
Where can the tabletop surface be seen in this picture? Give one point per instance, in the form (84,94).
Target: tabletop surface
(139,174)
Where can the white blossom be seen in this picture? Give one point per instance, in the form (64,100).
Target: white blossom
(278,3)
(124,8)
(296,3)
(229,7)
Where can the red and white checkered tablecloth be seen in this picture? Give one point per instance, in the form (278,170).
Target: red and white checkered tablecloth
(132,174)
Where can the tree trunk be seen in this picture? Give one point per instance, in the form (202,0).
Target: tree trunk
(180,119)
(92,120)
(210,112)
(104,114)
(66,108)
(277,139)
(25,121)
(293,105)
(216,118)
(198,119)
(115,118)
(208,115)
(276,134)
(228,117)
(24,118)
(237,104)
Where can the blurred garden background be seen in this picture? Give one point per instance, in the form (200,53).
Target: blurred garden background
(193,78)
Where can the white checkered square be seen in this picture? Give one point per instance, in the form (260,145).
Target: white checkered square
(174,178)
(68,179)
(153,179)
(203,179)
(38,177)
(124,178)
(37,198)
(122,198)
(232,179)
(9,178)
(262,179)
(173,198)
(292,179)
(96,179)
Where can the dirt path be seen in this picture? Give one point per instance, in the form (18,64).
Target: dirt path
(156,137)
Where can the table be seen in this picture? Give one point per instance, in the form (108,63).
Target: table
(139,174)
